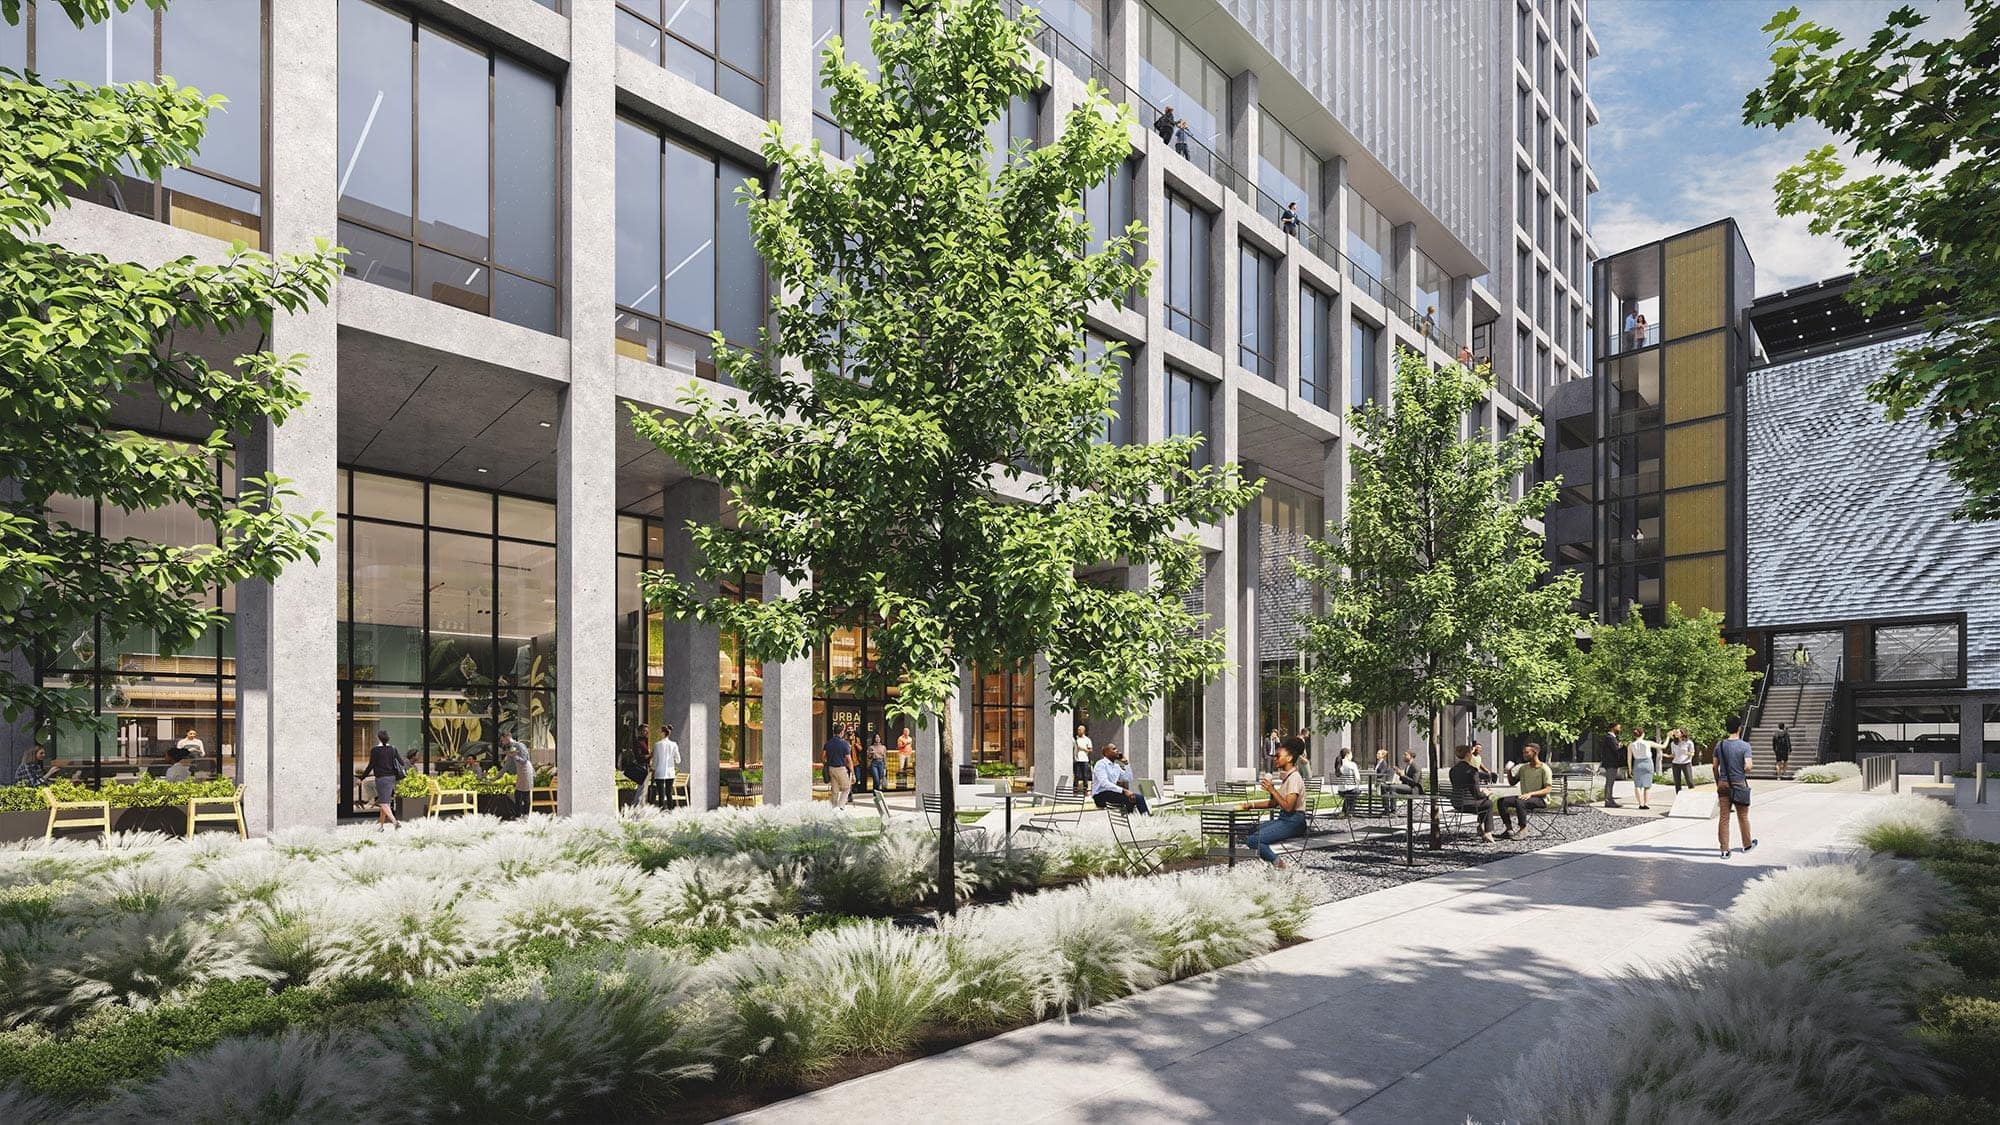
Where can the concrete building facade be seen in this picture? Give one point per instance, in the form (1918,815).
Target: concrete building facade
(537,200)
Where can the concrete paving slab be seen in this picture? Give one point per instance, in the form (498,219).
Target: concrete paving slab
(1409,1005)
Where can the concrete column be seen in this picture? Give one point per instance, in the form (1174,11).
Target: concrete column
(1122,44)
(792,63)
(1249,546)
(587,438)
(1402,264)
(693,695)
(788,725)
(1053,738)
(287,686)
(959,707)
(1222,719)
(1244,115)
(1972,729)
(1333,214)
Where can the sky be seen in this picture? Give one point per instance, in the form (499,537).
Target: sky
(1671,150)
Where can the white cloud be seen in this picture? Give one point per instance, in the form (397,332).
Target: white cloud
(1708,187)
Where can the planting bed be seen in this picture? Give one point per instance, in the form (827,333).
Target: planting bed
(648,967)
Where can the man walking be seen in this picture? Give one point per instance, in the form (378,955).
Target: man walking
(839,755)
(666,764)
(1781,750)
(1610,756)
(1732,785)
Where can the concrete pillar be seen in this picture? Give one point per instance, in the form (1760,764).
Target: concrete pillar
(1241,146)
(1402,264)
(693,695)
(1972,729)
(792,62)
(1053,737)
(587,439)
(1249,547)
(1223,738)
(959,708)
(788,719)
(1121,42)
(287,669)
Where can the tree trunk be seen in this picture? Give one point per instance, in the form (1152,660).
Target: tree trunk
(1437,831)
(947,782)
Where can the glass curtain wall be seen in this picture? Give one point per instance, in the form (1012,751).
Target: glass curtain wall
(1108,209)
(1188,401)
(715,44)
(1287,169)
(686,265)
(641,630)
(1119,427)
(1316,374)
(448,168)
(1363,362)
(1369,242)
(1287,518)
(1184,709)
(742,687)
(447,628)
(1174,74)
(215,46)
(846,20)
(146,701)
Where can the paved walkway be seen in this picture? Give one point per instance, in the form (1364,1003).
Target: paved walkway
(1409,1006)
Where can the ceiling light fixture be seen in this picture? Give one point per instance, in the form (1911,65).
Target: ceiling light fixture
(478,470)
(546,425)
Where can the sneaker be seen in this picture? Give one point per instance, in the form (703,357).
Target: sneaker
(1486,837)
(1524,833)
(1751,844)
(1725,853)
(1507,835)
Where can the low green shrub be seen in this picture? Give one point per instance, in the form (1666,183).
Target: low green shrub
(1965,1033)
(145,793)
(1955,1109)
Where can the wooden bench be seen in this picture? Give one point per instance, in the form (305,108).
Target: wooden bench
(76,814)
(444,800)
(217,810)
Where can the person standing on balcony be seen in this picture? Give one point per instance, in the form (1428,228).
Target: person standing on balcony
(1639,331)
(1465,357)
(1181,136)
(1428,323)
(1164,125)
(1631,330)
(1290,219)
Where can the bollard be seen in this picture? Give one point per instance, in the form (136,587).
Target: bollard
(1937,773)
(1896,779)
(1979,784)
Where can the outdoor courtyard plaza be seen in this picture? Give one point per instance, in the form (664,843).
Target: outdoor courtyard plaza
(1406,1005)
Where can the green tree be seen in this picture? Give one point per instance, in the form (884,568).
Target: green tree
(1434,584)
(934,317)
(79,333)
(1924,228)
(1682,674)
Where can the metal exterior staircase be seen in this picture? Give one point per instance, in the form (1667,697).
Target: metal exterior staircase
(1803,708)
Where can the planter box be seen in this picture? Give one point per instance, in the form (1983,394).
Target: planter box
(169,819)
(23,825)
(410,808)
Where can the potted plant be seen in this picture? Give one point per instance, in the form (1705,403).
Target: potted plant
(23,814)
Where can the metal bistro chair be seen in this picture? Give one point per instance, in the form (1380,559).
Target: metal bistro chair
(1231,826)
(969,836)
(1141,850)
(1150,789)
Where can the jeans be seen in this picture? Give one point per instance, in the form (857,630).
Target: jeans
(878,773)
(1683,774)
(1519,806)
(1284,826)
(1131,802)
(1082,772)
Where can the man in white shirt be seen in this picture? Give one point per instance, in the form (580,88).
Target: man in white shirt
(666,763)
(1111,783)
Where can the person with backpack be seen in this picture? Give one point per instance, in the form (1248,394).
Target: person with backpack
(387,766)
(1781,750)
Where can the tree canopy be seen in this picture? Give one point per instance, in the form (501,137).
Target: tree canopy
(1681,674)
(79,333)
(1924,225)
(1435,583)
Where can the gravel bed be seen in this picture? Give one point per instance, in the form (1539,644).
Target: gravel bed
(1348,869)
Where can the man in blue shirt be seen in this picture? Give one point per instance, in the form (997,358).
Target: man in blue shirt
(1111,783)
(839,755)
(1732,785)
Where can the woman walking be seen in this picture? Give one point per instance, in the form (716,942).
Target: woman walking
(1639,759)
(387,766)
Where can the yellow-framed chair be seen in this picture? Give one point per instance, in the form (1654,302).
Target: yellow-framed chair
(444,800)
(217,810)
(680,791)
(542,798)
(76,814)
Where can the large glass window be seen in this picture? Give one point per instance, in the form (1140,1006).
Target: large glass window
(1003,717)
(742,688)
(1174,74)
(1188,399)
(1930,728)
(1363,360)
(467,215)
(1108,209)
(686,264)
(1188,297)
(1434,312)
(215,46)
(146,701)
(1185,714)
(1914,652)
(1316,347)
(848,21)
(1368,243)
(447,624)
(715,44)
(1287,169)
(1018,123)
(1257,311)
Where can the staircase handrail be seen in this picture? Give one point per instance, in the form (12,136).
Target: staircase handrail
(1753,711)
(1826,710)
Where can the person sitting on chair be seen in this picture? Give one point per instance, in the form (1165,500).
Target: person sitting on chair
(1111,783)
(1469,796)
(1536,784)
(1286,794)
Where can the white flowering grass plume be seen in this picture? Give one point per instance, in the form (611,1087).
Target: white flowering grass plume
(571,1048)
(133,960)
(599,903)
(1826,773)
(1906,824)
(17,1104)
(1200,924)
(254,874)
(887,984)
(404,929)
(771,1024)
(700,891)
(293,936)
(155,884)
(260,1080)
